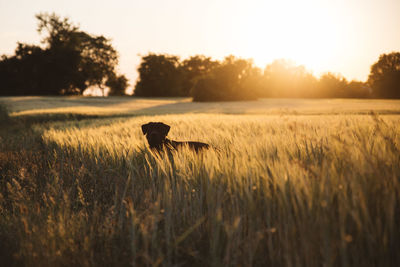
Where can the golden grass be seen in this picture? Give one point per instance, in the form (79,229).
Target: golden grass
(280,190)
(155,106)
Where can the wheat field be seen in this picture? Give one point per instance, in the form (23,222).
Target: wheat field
(287,183)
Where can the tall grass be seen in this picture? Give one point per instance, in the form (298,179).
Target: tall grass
(278,190)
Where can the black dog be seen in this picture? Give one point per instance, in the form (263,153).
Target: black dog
(156,134)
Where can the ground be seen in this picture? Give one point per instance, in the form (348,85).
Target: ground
(150,106)
(303,182)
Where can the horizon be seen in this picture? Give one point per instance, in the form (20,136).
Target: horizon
(342,37)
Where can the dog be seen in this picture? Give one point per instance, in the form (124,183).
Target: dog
(156,135)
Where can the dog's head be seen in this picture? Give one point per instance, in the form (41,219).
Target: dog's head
(155,132)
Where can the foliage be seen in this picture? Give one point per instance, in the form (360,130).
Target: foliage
(331,85)
(283,78)
(384,77)
(117,85)
(238,79)
(233,79)
(358,89)
(70,61)
(165,75)
(158,76)
(193,69)
(280,190)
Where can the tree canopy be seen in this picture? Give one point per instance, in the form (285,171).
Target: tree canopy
(69,61)
(159,75)
(192,69)
(384,77)
(233,79)
(283,78)
(117,85)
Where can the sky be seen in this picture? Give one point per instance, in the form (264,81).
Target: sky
(341,36)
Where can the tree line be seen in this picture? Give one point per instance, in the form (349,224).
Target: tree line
(234,78)
(70,60)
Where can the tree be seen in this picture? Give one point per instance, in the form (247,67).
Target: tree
(358,89)
(282,78)
(234,79)
(159,75)
(194,68)
(117,85)
(96,56)
(384,77)
(332,85)
(69,61)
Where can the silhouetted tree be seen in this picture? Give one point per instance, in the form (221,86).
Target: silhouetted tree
(96,56)
(159,75)
(237,79)
(384,77)
(117,85)
(9,84)
(336,86)
(194,68)
(356,89)
(233,79)
(70,61)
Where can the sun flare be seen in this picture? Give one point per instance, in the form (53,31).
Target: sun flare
(298,32)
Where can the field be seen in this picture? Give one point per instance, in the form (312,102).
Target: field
(290,183)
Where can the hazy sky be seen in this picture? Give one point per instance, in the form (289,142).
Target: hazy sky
(342,36)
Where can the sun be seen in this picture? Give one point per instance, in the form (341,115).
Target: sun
(300,31)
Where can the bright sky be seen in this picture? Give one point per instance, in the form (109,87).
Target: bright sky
(342,36)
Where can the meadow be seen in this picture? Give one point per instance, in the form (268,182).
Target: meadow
(292,182)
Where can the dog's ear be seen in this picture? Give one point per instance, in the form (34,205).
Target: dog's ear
(164,128)
(145,128)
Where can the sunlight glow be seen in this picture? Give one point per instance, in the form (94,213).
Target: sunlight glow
(340,36)
(297,32)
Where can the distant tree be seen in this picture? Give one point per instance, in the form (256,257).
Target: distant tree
(332,85)
(282,78)
(356,89)
(117,85)
(159,75)
(384,77)
(70,61)
(238,79)
(194,68)
(31,71)
(233,79)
